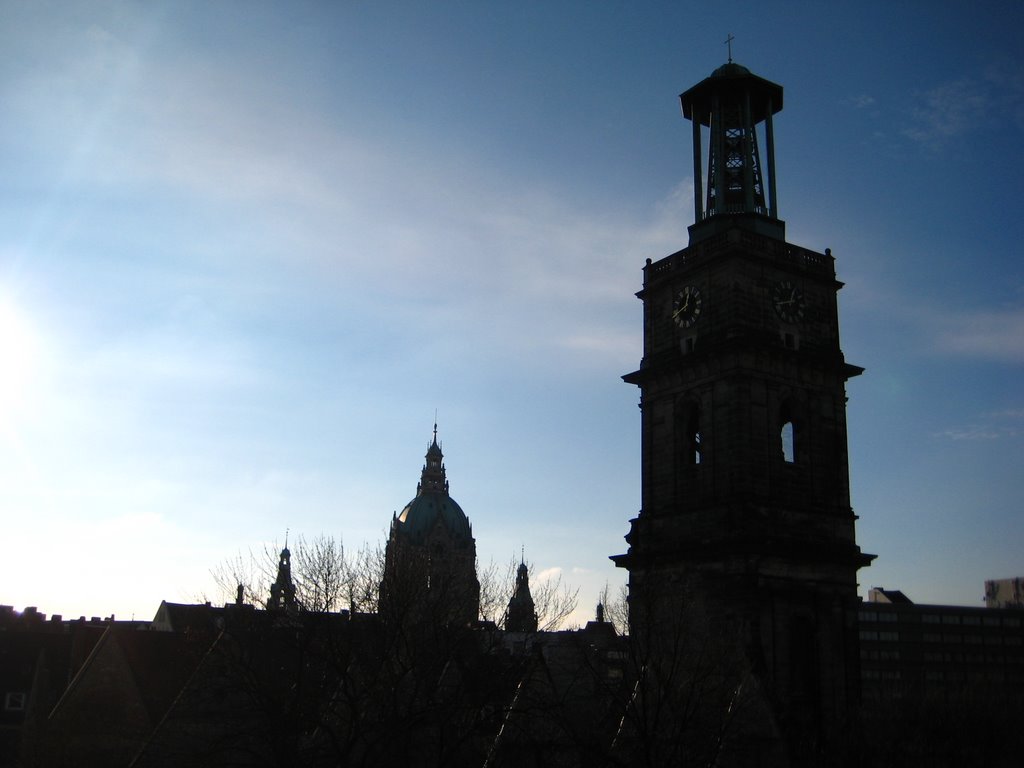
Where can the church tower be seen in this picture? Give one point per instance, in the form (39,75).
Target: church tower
(282,591)
(521,614)
(430,556)
(745,481)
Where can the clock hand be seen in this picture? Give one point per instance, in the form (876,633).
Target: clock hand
(682,308)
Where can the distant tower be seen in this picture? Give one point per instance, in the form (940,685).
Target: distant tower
(282,591)
(746,512)
(430,557)
(522,615)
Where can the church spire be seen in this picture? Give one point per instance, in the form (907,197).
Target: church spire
(282,591)
(522,614)
(433,478)
(732,103)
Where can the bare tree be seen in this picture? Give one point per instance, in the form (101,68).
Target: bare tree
(616,608)
(326,576)
(496,585)
(553,600)
(364,572)
(252,572)
(320,572)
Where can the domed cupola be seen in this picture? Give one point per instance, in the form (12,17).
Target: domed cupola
(430,557)
(432,506)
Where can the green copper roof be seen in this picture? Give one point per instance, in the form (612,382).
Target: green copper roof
(422,513)
(433,505)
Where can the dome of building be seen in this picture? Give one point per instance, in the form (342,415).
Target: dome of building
(432,505)
(732,69)
(422,513)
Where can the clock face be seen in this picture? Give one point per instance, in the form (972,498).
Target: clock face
(788,301)
(686,307)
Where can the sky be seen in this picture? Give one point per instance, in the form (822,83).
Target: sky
(249,250)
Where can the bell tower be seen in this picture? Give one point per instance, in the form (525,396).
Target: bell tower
(745,481)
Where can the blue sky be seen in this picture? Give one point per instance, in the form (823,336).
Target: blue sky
(247,250)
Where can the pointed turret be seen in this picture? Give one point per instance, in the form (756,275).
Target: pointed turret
(522,614)
(433,479)
(282,591)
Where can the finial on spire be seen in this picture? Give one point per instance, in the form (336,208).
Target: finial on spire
(728,42)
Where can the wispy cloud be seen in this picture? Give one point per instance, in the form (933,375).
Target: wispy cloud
(860,101)
(1015,414)
(946,111)
(995,425)
(973,432)
(952,108)
(991,334)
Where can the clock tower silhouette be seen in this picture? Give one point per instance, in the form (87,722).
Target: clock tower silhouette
(746,532)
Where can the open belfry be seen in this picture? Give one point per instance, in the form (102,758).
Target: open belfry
(746,535)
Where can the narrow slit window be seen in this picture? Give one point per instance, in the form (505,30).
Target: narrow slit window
(788,434)
(693,439)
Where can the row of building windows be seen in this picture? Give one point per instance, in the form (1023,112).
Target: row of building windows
(868,654)
(871,634)
(948,638)
(885,617)
(955,676)
(971,658)
(946,675)
(945,657)
(934,637)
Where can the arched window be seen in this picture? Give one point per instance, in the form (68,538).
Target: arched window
(694,438)
(787,435)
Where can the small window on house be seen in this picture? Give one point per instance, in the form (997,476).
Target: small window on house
(790,341)
(14,701)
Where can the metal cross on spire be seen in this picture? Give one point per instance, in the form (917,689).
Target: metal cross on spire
(728,42)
